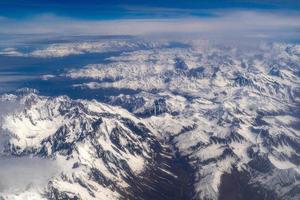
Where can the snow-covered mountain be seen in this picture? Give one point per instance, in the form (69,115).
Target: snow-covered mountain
(224,107)
(101,148)
(205,121)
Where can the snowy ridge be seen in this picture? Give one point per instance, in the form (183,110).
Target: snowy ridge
(189,70)
(227,109)
(235,108)
(101,147)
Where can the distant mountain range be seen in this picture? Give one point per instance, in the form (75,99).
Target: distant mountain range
(205,121)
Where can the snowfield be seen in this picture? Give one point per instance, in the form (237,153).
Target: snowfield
(235,105)
(100,146)
(224,108)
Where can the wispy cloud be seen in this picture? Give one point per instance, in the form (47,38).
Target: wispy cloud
(226,23)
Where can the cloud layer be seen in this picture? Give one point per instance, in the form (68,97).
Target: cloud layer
(17,174)
(225,23)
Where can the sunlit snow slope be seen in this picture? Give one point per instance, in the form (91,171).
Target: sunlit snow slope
(99,148)
(225,107)
(231,111)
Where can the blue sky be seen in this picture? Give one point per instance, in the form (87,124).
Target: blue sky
(117,9)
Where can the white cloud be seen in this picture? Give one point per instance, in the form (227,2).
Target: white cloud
(229,23)
(23,173)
